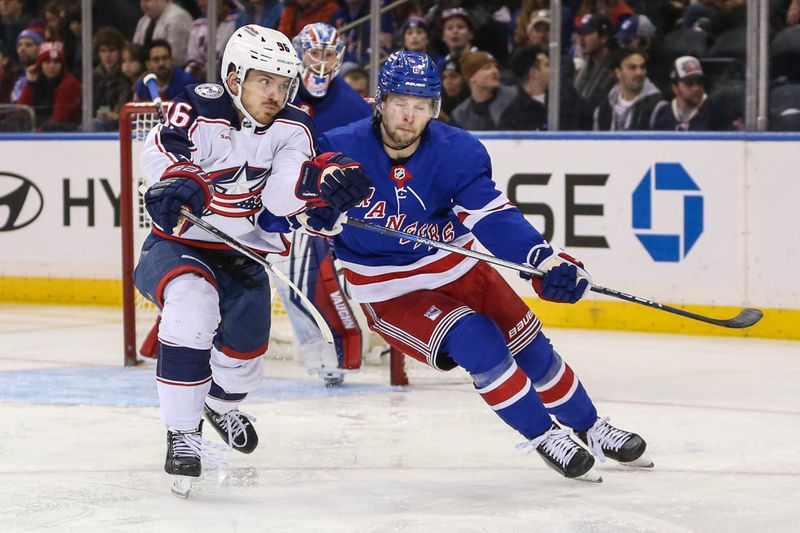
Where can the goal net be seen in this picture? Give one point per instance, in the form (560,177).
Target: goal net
(140,315)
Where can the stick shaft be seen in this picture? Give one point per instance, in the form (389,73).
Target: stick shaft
(744,319)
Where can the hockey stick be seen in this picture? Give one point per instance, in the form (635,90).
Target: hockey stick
(246,251)
(746,317)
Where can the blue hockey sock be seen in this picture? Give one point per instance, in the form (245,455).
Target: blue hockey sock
(477,345)
(558,387)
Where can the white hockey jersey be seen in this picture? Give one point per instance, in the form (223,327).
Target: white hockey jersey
(251,168)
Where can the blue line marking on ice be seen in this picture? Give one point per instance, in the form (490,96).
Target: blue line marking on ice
(136,387)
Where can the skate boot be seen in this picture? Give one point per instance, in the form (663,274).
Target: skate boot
(564,455)
(331,378)
(604,440)
(235,427)
(183,458)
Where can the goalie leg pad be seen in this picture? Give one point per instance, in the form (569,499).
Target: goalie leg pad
(558,387)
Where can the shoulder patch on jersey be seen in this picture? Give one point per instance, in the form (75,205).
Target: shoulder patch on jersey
(209,90)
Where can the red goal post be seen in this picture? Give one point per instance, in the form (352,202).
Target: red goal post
(139,315)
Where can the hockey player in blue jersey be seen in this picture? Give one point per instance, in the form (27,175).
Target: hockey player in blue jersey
(229,153)
(448,310)
(331,103)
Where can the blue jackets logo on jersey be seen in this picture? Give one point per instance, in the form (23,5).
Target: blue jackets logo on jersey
(237,191)
(668,247)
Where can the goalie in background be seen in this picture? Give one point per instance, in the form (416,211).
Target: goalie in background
(448,310)
(214,156)
(331,103)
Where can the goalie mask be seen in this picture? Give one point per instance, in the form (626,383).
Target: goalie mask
(259,48)
(320,49)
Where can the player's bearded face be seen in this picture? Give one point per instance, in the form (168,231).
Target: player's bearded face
(404,119)
(264,94)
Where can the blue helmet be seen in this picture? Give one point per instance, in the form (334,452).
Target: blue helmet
(411,74)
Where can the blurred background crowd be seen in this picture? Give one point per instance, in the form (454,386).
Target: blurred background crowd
(623,65)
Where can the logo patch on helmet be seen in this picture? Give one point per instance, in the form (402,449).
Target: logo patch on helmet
(209,90)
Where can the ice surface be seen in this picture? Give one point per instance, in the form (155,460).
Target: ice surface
(82,446)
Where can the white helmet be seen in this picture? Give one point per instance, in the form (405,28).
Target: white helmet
(265,49)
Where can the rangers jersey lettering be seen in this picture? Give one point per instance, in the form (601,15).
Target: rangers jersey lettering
(444,191)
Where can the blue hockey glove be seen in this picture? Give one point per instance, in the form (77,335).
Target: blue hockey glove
(322,221)
(275,224)
(332,179)
(181,184)
(565,279)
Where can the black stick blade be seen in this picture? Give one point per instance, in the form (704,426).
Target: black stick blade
(746,318)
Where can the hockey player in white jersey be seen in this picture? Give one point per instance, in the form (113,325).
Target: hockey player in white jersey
(232,154)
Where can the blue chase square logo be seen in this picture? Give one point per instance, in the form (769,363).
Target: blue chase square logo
(685,227)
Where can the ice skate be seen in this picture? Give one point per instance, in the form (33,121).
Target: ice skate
(604,440)
(564,455)
(235,427)
(183,462)
(332,378)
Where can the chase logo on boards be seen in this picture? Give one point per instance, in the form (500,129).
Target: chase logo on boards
(21,201)
(669,242)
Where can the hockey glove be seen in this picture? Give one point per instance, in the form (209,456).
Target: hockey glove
(275,224)
(181,184)
(564,280)
(322,221)
(332,179)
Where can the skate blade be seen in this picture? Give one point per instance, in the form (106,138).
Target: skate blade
(182,486)
(643,461)
(590,477)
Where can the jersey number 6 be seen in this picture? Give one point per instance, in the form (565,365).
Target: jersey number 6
(179,114)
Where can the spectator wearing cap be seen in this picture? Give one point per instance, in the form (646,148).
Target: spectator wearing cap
(488,99)
(528,110)
(416,37)
(615,10)
(686,112)
(12,21)
(111,88)
(52,91)
(638,33)
(457,34)
(454,89)
(166,20)
(595,77)
(28,43)
(538,34)
(169,79)
(631,103)
(266,13)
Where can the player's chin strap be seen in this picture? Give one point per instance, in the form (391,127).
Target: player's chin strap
(746,317)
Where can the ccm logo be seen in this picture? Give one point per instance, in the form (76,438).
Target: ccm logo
(21,201)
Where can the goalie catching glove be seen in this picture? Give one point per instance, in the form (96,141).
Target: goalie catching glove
(332,179)
(564,280)
(181,184)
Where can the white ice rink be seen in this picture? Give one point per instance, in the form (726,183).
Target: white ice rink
(82,447)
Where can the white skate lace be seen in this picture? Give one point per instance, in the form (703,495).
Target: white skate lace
(603,435)
(234,423)
(192,444)
(556,443)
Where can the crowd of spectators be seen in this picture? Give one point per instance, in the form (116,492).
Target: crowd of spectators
(625,64)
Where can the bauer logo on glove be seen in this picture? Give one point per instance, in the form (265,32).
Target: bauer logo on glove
(332,179)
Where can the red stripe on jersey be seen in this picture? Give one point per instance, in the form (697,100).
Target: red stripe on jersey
(177,271)
(437,267)
(560,388)
(505,391)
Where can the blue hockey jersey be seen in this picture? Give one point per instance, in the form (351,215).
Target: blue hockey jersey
(341,105)
(444,191)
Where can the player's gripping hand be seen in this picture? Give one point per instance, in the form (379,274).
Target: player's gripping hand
(564,280)
(333,179)
(322,221)
(181,184)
